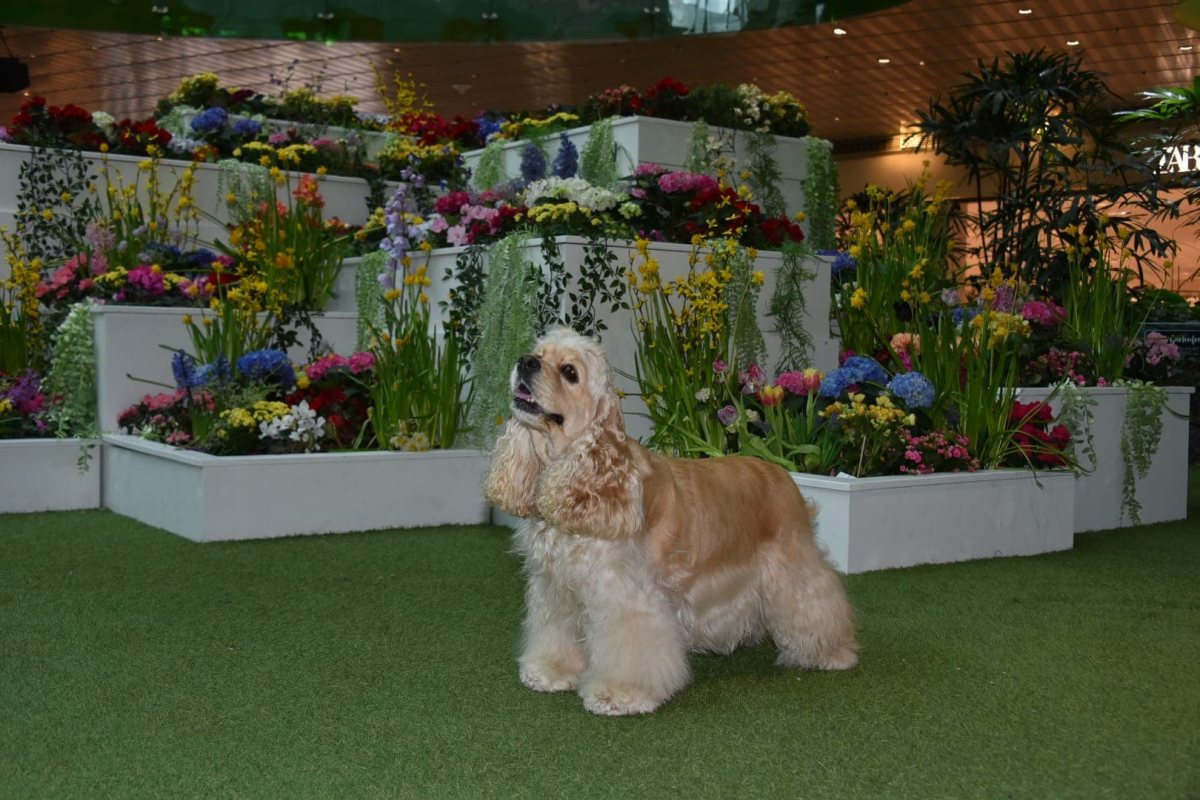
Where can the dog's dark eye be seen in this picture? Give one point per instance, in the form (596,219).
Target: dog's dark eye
(569,373)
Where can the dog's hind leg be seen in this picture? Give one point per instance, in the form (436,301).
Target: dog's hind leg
(552,657)
(806,609)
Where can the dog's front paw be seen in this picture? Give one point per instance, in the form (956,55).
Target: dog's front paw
(542,677)
(617,701)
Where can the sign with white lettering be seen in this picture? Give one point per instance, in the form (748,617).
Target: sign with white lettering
(1180,158)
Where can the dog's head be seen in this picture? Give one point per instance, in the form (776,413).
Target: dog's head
(564,455)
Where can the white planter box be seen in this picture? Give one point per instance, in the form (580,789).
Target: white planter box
(43,475)
(214,498)
(343,288)
(649,140)
(1162,493)
(345,198)
(618,338)
(129,340)
(901,521)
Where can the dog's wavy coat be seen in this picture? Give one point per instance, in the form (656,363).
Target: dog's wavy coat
(633,559)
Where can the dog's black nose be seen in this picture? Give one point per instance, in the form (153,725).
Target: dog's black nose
(529,364)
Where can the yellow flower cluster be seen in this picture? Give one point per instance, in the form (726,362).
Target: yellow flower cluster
(999,325)
(205,82)
(515,129)
(881,415)
(5,406)
(262,411)
(556,212)
(410,439)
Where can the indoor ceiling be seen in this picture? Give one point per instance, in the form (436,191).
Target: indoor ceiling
(861,87)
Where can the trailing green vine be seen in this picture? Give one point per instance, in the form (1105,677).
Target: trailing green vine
(789,308)
(598,160)
(368,297)
(1076,412)
(507,318)
(820,187)
(466,281)
(765,177)
(601,284)
(1140,435)
(56,199)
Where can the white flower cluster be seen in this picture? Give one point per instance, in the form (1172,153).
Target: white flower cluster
(104,121)
(575,189)
(300,424)
(752,105)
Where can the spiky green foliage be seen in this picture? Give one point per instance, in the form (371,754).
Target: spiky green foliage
(507,321)
(741,297)
(820,187)
(598,161)
(789,309)
(765,177)
(248,183)
(699,155)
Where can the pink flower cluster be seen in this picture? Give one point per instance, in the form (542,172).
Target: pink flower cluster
(60,284)
(358,363)
(1159,347)
(800,383)
(690,182)
(147,279)
(936,452)
(1046,313)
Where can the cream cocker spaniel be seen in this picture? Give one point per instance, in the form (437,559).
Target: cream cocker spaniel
(634,559)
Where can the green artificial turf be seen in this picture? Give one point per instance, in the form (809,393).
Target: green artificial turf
(134,663)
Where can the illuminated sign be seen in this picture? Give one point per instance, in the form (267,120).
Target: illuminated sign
(1180,158)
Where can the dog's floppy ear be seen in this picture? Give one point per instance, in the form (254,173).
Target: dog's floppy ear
(512,476)
(594,489)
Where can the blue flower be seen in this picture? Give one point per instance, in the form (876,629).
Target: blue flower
(566,163)
(842,260)
(267,365)
(210,119)
(248,128)
(184,368)
(963,312)
(866,369)
(217,373)
(197,259)
(836,382)
(914,389)
(488,127)
(533,163)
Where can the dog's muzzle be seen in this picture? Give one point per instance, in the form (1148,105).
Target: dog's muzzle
(528,366)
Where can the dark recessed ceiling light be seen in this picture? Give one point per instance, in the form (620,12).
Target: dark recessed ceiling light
(839,31)
(1072,42)
(1185,48)
(1024,11)
(885,61)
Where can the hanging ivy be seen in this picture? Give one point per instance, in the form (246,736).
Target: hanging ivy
(765,178)
(699,157)
(820,187)
(368,297)
(1140,435)
(788,308)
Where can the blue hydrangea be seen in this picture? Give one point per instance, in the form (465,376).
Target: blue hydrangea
(184,368)
(210,119)
(566,163)
(914,389)
(866,370)
(835,382)
(533,163)
(963,313)
(249,128)
(267,365)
